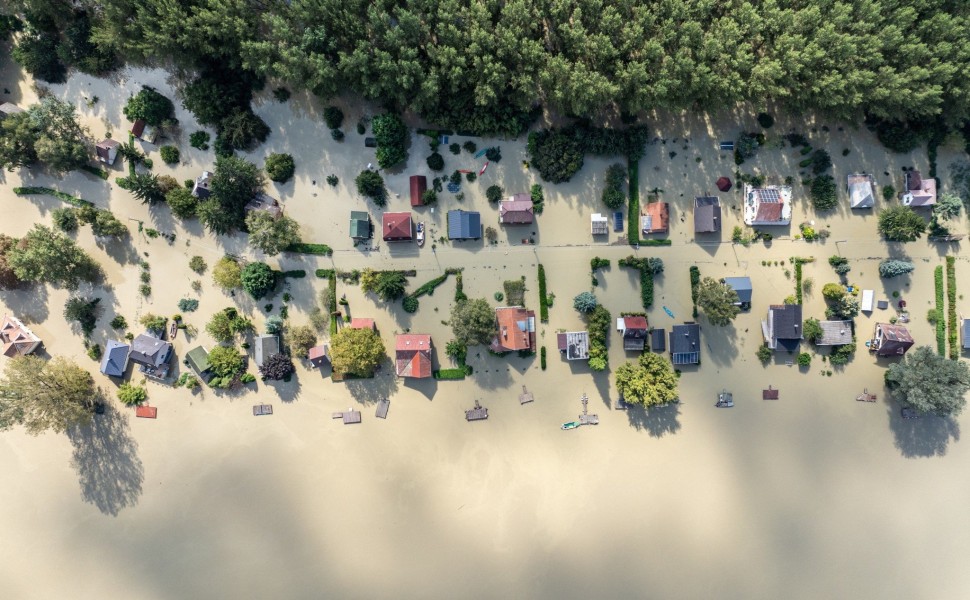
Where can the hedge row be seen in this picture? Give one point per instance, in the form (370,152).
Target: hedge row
(318,249)
(428,288)
(332,301)
(940,322)
(542,357)
(633,202)
(798,280)
(324,273)
(42,191)
(452,374)
(646,278)
(543,300)
(295,274)
(695,280)
(96,171)
(459,289)
(951,296)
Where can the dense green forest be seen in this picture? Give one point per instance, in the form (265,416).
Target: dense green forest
(486,65)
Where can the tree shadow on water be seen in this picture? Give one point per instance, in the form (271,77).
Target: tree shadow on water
(924,437)
(658,421)
(106,459)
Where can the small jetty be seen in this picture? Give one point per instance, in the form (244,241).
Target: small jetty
(586,418)
(865,396)
(382,407)
(725,399)
(262,409)
(349,416)
(769,394)
(526,396)
(479,413)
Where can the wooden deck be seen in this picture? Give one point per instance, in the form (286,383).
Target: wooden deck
(479,413)
(589,419)
(349,416)
(146,412)
(769,394)
(526,396)
(262,409)
(382,407)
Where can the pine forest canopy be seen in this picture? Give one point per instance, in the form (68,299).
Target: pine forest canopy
(485,66)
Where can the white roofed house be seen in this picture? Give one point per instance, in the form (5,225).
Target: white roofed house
(861,190)
(835,333)
(769,205)
(599,225)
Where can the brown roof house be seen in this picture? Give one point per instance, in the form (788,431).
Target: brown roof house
(890,340)
(319,355)
(767,206)
(143,131)
(634,330)
(17,339)
(412,356)
(107,151)
(516,329)
(707,214)
(918,191)
(262,201)
(835,333)
(655,218)
(358,323)
(419,185)
(517,210)
(397,227)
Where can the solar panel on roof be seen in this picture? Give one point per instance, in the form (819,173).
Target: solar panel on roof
(769,195)
(686,358)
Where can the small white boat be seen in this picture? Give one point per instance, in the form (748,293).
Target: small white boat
(420,234)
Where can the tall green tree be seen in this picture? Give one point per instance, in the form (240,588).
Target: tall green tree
(650,381)
(473,322)
(929,382)
(60,143)
(18,138)
(234,183)
(269,234)
(47,256)
(44,395)
(717,300)
(150,106)
(356,351)
(901,224)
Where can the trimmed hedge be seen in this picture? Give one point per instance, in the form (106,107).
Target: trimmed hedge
(332,301)
(646,278)
(318,249)
(951,296)
(452,374)
(543,300)
(42,191)
(940,322)
(295,274)
(96,171)
(695,280)
(324,273)
(542,357)
(633,202)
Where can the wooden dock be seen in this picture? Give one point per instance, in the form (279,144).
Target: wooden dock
(478,413)
(769,394)
(262,409)
(146,412)
(865,396)
(526,396)
(586,418)
(349,416)
(382,407)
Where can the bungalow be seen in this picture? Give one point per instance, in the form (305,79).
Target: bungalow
(198,359)
(685,344)
(115,359)
(397,227)
(516,329)
(767,206)
(319,355)
(17,339)
(201,188)
(262,201)
(265,346)
(152,355)
(890,340)
(143,131)
(741,286)
(574,345)
(655,218)
(598,224)
(412,356)
(964,333)
(360,225)
(918,191)
(634,330)
(835,333)
(861,188)
(8,110)
(419,185)
(707,214)
(783,328)
(517,210)
(107,151)
(358,323)
(464,225)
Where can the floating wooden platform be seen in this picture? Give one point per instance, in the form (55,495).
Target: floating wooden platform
(725,400)
(349,416)
(382,407)
(865,396)
(526,396)
(262,409)
(478,413)
(146,412)
(769,394)
(589,419)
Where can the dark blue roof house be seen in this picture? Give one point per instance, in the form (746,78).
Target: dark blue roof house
(464,225)
(115,359)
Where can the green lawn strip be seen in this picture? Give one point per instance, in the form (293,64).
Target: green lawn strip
(42,191)
(317,249)
(543,300)
(940,319)
(951,296)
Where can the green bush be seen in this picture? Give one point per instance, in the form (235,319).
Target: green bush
(280,167)
(410,304)
(542,357)
(494,193)
(132,395)
(613,190)
(200,140)
(764,354)
(258,279)
(940,324)
(333,117)
(543,298)
(94,352)
(391,135)
(470,147)
(823,193)
(454,149)
(170,154)
(436,162)
(317,249)
(65,219)
(804,359)
(370,184)
(765,120)
(188,304)
(951,293)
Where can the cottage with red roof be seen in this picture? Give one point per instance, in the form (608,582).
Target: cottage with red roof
(767,206)
(419,185)
(397,227)
(357,323)
(107,151)
(516,329)
(16,338)
(517,210)
(919,191)
(413,355)
(655,218)
(634,331)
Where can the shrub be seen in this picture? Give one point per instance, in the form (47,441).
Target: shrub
(226,273)
(199,140)
(821,162)
(197,264)
(823,193)
(493,154)
(893,268)
(542,357)
(242,130)
(746,147)
(258,279)
(279,167)
(543,298)
(471,177)
(119,322)
(833,291)
(183,204)
(585,302)
(132,395)
(410,304)
(470,147)
(153,322)
(333,117)
(888,192)
(281,94)
(765,120)
(538,198)
(429,197)
(804,359)
(333,180)
(598,324)
(170,154)
(391,135)
(83,311)
(841,354)
(555,155)
(598,263)
(454,149)
(613,191)
(436,162)
(370,184)
(494,193)
(226,362)
(188,305)
(764,354)
(65,219)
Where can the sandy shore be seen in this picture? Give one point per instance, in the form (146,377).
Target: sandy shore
(815,495)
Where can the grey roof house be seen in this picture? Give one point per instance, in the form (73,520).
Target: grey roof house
(152,355)
(464,225)
(964,333)
(742,286)
(201,188)
(265,346)
(835,333)
(574,345)
(861,188)
(783,328)
(707,214)
(115,359)
(685,344)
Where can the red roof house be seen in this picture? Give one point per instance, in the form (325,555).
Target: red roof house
(107,151)
(516,329)
(318,355)
(16,338)
(413,355)
(517,210)
(397,227)
(419,185)
(363,324)
(655,218)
